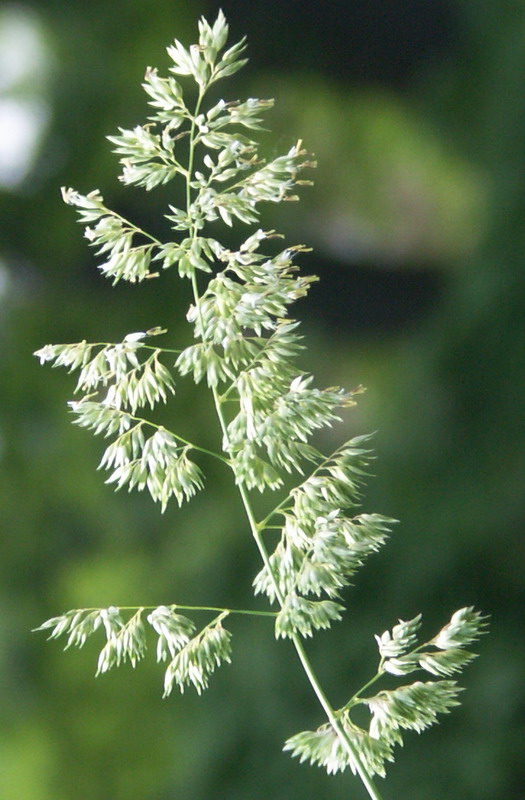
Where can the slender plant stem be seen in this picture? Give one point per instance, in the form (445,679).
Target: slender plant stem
(178,606)
(244,611)
(134,227)
(298,644)
(306,664)
(336,725)
(355,699)
(256,530)
(193,446)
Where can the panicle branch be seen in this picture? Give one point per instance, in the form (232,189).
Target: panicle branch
(192,659)
(413,707)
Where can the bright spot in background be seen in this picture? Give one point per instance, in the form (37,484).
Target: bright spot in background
(22,123)
(22,49)
(24,114)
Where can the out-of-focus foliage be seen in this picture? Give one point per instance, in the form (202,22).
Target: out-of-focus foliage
(395,168)
(420,251)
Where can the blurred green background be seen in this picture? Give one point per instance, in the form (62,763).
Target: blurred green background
(416,113)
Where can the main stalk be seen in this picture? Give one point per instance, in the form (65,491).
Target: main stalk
(255,530)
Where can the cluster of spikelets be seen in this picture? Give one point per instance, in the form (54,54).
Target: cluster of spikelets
(244,346)
(192,658)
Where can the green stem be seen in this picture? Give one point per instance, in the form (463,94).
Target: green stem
(191,155)
(334,722)
(306,664)
(141,346)
(256,533)
(355,699)
(193,446)
(245,611)
(178,606)
(298,644)
(133,227)
(160,349)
